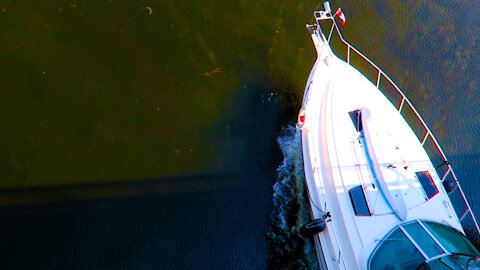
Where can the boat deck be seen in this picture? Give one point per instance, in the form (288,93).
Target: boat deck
(336,162)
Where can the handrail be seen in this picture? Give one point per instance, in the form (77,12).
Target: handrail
(428,133)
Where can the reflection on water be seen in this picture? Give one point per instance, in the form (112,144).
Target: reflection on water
(99,92)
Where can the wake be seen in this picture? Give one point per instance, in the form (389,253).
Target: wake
(287,248)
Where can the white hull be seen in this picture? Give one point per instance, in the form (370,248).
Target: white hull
(384,158)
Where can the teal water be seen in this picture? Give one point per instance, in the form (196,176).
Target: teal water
(144,133)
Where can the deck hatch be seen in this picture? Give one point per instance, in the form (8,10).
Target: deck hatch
(356,119)
(427,183)
(359,202)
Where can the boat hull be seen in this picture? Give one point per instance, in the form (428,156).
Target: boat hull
(379,163)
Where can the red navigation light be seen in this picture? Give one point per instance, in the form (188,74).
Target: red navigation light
(302,118)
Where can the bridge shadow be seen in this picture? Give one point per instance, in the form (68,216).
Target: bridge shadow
(121,188)
(166,223)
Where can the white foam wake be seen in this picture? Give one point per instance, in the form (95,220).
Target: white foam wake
(287,248)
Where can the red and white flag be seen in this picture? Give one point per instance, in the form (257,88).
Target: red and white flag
(340,14)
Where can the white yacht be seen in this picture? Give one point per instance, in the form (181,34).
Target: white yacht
(378,201)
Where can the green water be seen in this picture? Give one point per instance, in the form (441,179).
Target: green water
(103,90)
(111,90)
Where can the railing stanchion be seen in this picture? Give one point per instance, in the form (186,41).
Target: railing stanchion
(446,173)
(425,138)
(401,104)
(348,54)
(464,214)
(378,77)
(331,32)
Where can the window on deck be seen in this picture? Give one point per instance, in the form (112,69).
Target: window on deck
(359,202)
(427,183)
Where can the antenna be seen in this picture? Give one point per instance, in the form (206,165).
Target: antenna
(326,5)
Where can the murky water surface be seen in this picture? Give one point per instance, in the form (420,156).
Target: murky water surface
(143,134)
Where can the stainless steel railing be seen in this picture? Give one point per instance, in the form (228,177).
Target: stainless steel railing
(463,210)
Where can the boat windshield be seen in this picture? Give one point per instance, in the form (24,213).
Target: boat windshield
(424,245)
(451,239)
(454,261)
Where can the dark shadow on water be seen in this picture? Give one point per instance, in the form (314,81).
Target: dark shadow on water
(139,187)
(153,227)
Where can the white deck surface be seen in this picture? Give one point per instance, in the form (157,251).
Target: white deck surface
(335,161)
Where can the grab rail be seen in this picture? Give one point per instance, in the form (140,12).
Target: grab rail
(428,133)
